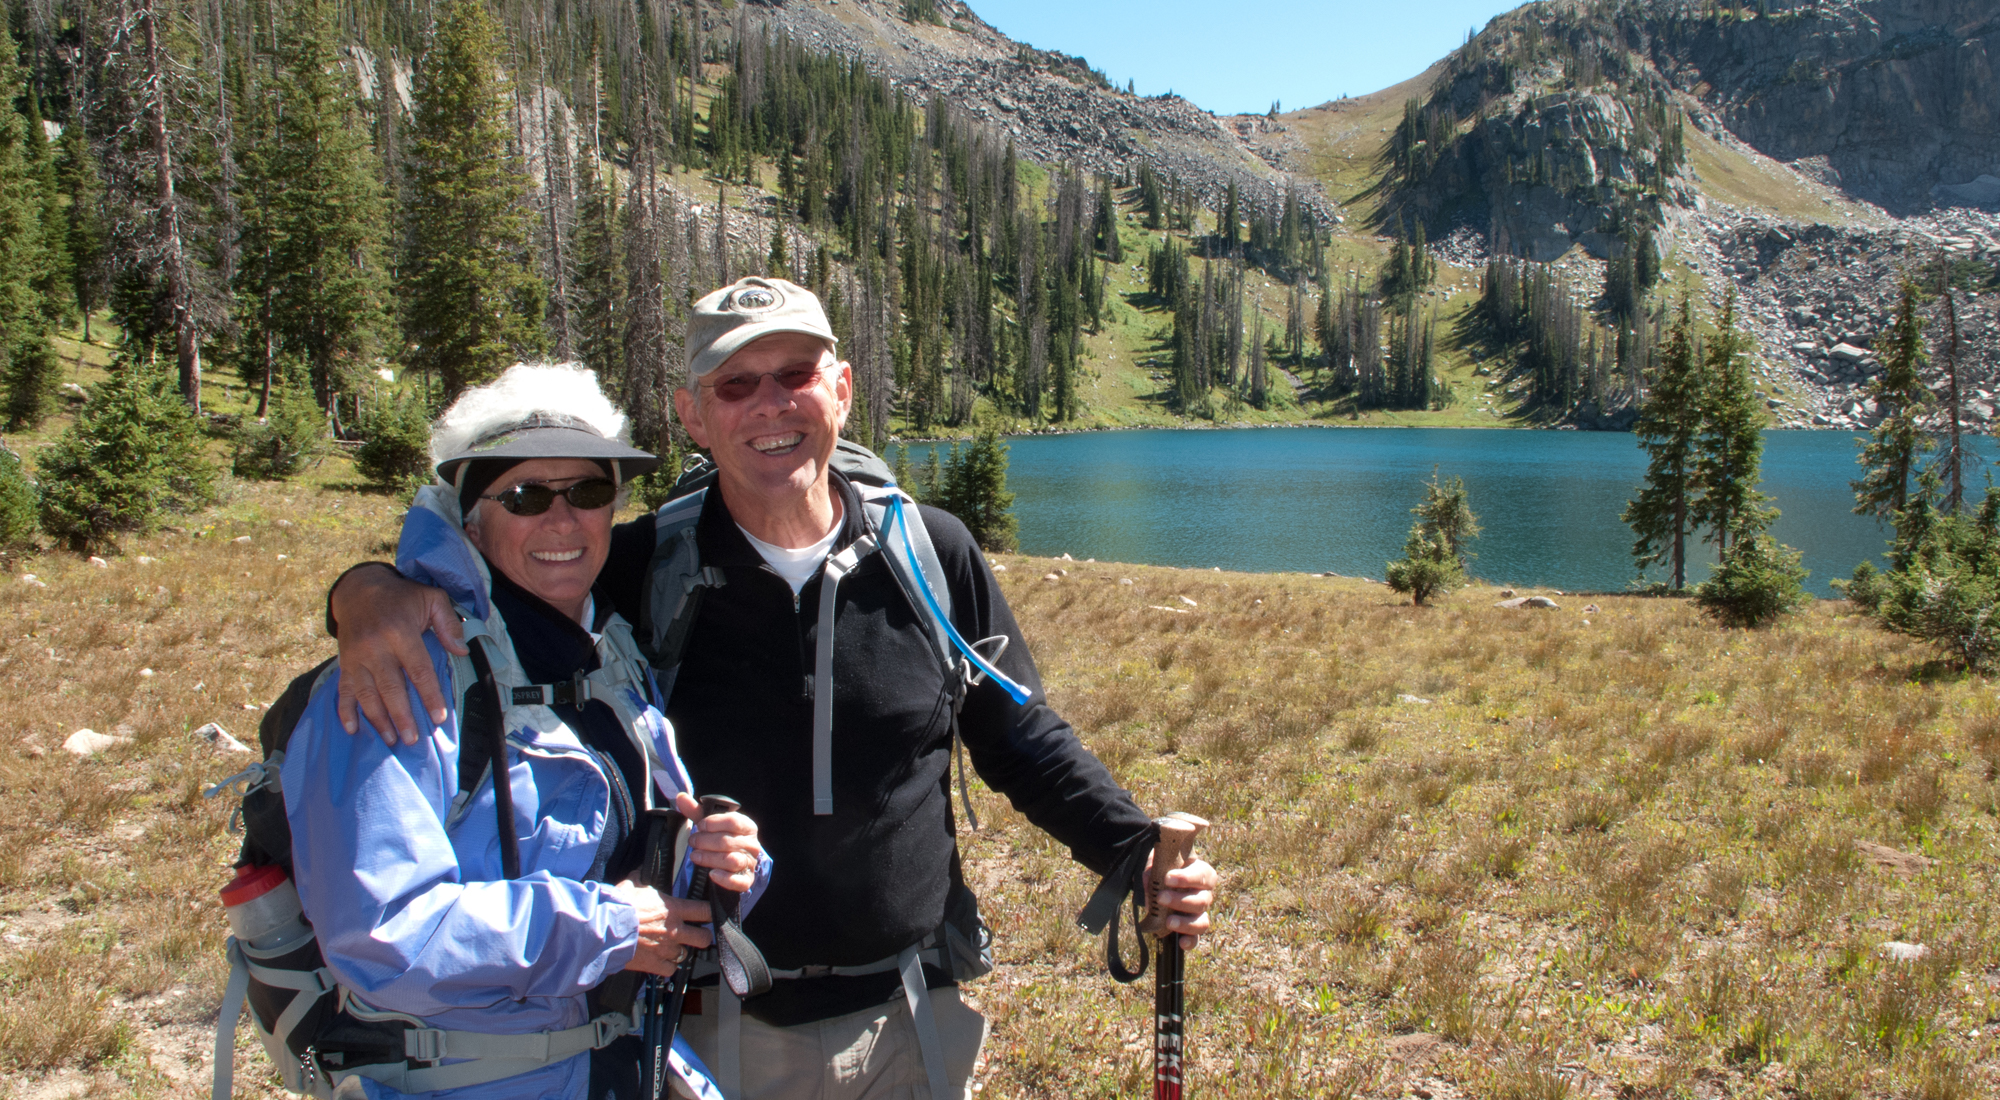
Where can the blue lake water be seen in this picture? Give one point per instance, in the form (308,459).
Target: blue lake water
(1338,499)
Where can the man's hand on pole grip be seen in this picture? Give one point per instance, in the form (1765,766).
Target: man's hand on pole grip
(1187,893)
(382,619)
(726,844)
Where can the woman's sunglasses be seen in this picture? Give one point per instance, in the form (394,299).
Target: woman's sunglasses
(740,387)
(532,498)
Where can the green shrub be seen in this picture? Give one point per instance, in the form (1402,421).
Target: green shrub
(397,451)
(132,454)
(18,499)
(1945,584)
(291,437)
(1757,581)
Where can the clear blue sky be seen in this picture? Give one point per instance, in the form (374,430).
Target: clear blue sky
(1233,58)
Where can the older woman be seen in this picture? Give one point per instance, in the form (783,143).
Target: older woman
(403,866)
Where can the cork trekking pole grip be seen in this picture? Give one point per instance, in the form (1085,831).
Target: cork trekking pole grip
(1174,851)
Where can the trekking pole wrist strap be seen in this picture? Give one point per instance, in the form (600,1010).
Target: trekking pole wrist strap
(1102,909)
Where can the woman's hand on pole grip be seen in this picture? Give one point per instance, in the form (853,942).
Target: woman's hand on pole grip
(666,925)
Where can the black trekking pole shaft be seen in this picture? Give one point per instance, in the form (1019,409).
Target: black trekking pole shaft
(1174,851)
(659,874)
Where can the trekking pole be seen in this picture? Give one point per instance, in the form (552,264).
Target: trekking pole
(1175,850)
(666,997)
(658,872)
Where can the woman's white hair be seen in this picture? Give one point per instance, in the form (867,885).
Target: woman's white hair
(524,389)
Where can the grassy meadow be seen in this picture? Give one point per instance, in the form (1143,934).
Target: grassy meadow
(1604,851)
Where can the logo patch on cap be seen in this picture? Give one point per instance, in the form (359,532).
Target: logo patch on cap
(755,299)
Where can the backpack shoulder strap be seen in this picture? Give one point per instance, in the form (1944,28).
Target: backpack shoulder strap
(482,740)
(675,580)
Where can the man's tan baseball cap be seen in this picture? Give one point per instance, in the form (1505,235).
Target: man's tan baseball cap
(729,318)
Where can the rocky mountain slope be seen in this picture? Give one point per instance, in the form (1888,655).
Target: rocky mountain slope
(1807,156)
(1056,109)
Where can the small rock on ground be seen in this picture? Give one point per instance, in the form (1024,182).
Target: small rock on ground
(89,742)
(214,734)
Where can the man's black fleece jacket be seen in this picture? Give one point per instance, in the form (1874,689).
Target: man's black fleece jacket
(866,881)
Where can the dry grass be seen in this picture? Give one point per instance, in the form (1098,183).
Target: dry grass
(110,930)
(1615,859)
(1604,859)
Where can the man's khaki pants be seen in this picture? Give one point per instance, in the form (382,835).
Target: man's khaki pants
(867,1055)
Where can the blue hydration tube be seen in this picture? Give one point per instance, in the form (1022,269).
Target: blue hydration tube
(1015,691)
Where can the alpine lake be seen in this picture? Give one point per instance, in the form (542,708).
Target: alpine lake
(1338,500)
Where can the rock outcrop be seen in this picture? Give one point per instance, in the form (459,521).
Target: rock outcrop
(1897,100)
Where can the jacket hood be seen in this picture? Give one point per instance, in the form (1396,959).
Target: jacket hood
(433,549)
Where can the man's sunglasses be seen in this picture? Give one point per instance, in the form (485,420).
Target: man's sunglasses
(740,387)
(532,498)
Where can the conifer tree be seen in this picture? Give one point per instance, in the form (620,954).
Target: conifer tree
(1435,553)
(19,500)
(1731,445)
(310,286)
(52,277)
(1669,429)
(290,436)
(600,279)
(132,454)
(975,490)
(1891,454)
(472,301)
(29,367)
(84,230)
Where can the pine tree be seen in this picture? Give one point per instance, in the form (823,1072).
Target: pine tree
(27,364)
(19,500)
(1669,429)
(397,452)
(600,279)
(289,438)
(975,490)
(88,238)
(1891,455)
(1435,553)
(54,270)
(472,300)
(310,286)
(1731,445)
(132,454)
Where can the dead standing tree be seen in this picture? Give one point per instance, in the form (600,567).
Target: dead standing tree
(172,245)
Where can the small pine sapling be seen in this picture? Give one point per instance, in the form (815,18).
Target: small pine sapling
(1758,581)
(1434,556)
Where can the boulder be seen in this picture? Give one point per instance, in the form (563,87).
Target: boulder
(1898,951)
(88,742)
(1848,353)
(1539,602)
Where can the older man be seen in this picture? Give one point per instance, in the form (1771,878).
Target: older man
(864,835)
